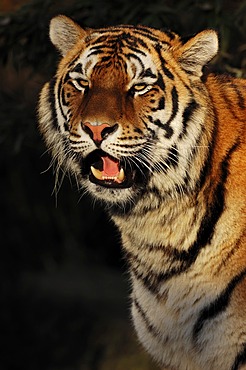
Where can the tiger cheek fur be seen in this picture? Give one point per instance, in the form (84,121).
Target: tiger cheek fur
(131,115)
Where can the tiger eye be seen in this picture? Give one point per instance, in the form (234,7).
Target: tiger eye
(82,83)
(139,87)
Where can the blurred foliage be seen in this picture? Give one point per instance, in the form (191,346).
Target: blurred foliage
(23,34)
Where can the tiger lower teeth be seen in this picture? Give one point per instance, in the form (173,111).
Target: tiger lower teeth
(98,175)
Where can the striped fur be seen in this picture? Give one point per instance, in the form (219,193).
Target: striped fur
(180,138)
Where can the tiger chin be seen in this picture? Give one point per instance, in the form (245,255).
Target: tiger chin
(132,115)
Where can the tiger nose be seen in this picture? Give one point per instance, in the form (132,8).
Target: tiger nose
(99,132)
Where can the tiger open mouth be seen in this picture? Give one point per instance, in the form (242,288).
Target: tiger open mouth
(107,171)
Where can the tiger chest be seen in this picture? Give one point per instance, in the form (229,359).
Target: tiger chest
(164,320)
(170,292)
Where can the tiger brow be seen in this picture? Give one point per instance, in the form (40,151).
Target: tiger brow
(148,73)
(77,68)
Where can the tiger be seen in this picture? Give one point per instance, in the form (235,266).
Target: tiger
(135,115)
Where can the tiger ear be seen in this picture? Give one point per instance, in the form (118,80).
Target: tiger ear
(65,33)
(198,51)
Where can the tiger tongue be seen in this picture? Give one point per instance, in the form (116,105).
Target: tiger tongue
(110,167)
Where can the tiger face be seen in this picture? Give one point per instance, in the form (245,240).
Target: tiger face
(126,107)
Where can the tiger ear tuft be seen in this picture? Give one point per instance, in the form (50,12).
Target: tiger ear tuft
(65,33)
(198,51)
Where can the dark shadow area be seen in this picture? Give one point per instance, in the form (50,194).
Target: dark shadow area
(64,286)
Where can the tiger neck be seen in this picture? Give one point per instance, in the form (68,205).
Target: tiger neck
(174,219)
(164,241)
(154,224)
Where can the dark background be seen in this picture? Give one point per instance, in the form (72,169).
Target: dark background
(64,287)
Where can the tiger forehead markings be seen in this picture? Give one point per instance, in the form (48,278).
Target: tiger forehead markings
(114,53)
(131,115)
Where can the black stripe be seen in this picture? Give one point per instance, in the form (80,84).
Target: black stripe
(187,115)
(145,32)
(163,63)
(160,82)
(183,188)
(96,52)
(218,306)
(147,275)
(134,56)
(207,165)
(148,30)
(134,42)
(166,126)
(124,146)
(167,72)
(78,68)
(206,168)
(225,163)
(150,327)
(74,61)
(76,143)
(161,105)
(100,39)
(148,278)
(241,100)
(240,359)
(156,192)
(169,33)
(102,46)
(146,125)
(175,105)
(59,96)
(106,58)
(63,98)
(150,118)
(231,252)
(136,50)
(148,73)
(61,92)
(172,157)
(52,100)
(214,211)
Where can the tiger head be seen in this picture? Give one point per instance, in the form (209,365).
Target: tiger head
(126,108)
